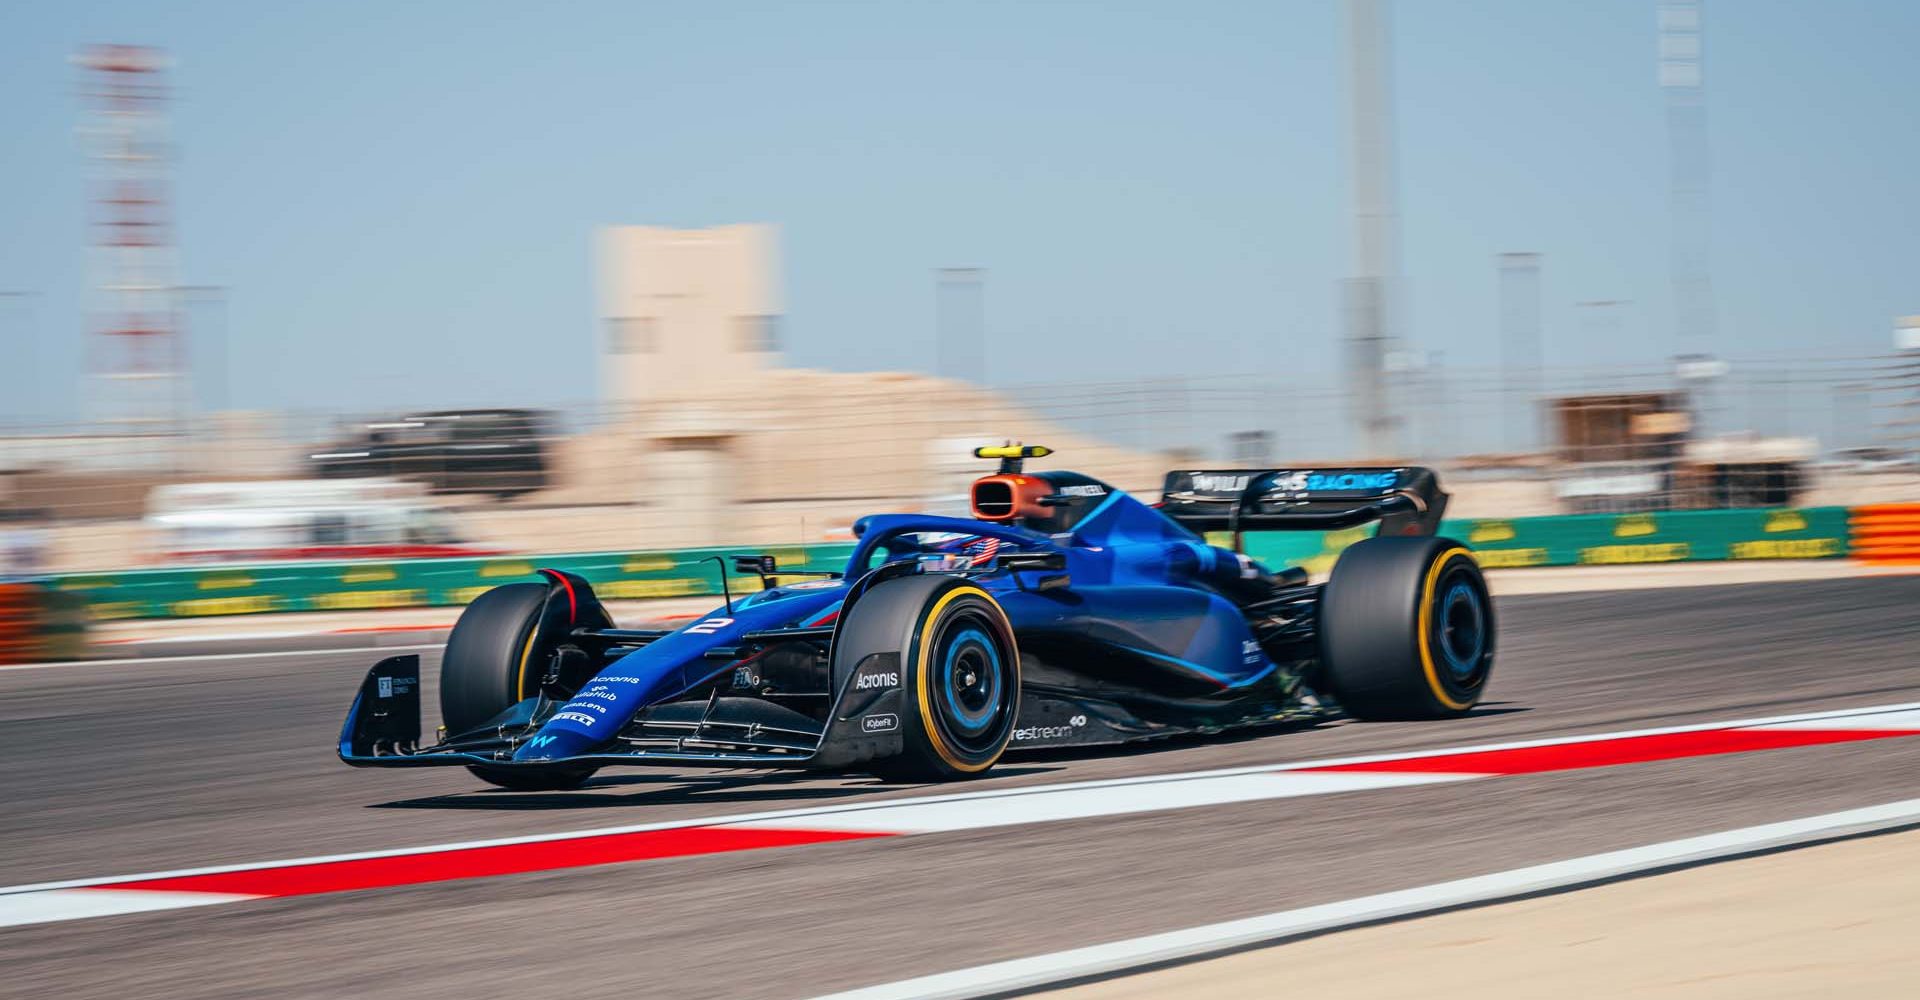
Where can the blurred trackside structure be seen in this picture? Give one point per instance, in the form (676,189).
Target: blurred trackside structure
(703,438)
(685,309)
(139,380)
(785,455)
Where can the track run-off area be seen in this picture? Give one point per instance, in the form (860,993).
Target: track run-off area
(140,794)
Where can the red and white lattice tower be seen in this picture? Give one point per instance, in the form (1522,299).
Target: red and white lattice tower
(137,352)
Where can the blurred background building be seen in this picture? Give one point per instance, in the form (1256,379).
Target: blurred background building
(683,308)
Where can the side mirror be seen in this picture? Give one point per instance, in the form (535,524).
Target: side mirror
(762,566)
(758,565)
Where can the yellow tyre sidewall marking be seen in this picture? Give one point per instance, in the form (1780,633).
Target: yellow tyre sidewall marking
(526,654)
(923,676)
(1426,631)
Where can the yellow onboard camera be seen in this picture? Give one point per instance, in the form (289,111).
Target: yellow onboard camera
(1012,456)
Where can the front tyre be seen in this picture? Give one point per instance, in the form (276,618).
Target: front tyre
(1406,629)
(489,666)
(960,673)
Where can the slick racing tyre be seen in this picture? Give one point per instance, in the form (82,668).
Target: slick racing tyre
(1406,629)
(960,673)
(488,667)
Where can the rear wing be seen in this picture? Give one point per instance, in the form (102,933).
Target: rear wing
(1406,500)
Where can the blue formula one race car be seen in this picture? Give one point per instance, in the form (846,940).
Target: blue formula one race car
(1065,613)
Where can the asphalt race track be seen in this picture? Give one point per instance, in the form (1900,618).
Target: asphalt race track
(170,764)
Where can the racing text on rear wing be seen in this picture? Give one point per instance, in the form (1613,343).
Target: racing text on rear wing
(1406,499)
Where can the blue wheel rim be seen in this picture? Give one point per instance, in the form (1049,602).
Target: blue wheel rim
(969,680)
(1463,629)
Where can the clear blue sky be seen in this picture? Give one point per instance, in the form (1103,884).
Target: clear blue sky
(401,196)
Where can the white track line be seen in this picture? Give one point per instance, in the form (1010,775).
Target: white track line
(1092,803)
(79,904)
(125,661)
(1137,953)
(163,640)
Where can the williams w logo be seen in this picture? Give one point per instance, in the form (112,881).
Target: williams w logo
(539,741)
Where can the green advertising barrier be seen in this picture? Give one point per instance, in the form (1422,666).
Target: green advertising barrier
(1597,539)
(353,586)
(1681,536)
(1586,539)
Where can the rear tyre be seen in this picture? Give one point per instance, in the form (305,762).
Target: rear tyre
(960,670)
(488,667)
(1406,629)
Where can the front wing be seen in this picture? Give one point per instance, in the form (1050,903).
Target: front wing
(382,729)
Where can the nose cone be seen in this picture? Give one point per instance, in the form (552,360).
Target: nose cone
(671,665)
(594,716)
